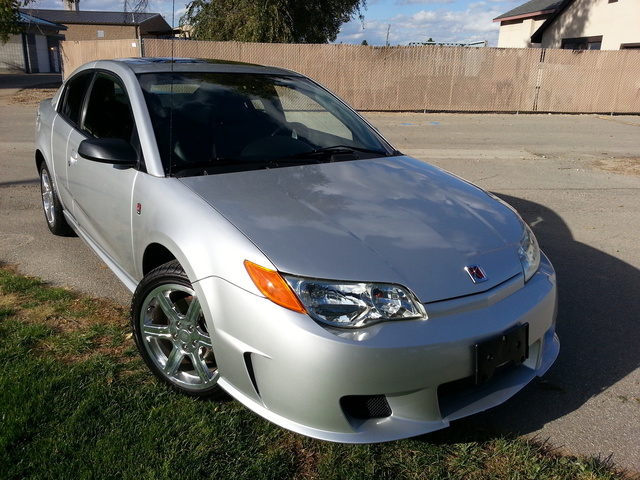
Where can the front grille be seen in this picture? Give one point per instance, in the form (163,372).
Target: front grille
(364,407)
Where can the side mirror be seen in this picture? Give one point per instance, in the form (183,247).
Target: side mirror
(114,151)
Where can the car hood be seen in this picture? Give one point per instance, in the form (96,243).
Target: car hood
(393,220)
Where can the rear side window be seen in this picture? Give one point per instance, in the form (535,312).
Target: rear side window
(71,105)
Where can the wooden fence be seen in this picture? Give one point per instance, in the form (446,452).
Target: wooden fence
(424,78)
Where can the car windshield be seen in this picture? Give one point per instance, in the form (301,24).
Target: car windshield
(207,123)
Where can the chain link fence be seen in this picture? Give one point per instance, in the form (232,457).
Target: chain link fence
(428,78)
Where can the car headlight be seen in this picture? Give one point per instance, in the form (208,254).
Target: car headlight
(354,305)
(528,252)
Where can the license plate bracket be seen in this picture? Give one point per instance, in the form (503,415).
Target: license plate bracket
(512,346)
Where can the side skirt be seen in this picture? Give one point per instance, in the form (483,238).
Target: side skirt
(124,277)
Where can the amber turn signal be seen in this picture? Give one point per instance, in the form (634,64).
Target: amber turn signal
(274,287)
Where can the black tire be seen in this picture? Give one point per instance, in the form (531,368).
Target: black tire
(171,333)
(52,206)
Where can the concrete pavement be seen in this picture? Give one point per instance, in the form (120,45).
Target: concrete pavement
(571,177)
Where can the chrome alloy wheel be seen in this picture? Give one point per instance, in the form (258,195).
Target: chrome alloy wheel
(51,205)
(175,336)
(48,203)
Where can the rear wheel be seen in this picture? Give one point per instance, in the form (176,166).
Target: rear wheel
(52,206)
(171,333)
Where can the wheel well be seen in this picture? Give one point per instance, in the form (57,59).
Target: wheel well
(39,160)
(154,256)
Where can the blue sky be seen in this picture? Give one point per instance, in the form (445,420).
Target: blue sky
(404,20)
(407,21)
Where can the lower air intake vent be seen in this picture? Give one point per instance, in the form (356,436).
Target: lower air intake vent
(364,407)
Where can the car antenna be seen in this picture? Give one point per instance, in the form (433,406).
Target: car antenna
(172,62)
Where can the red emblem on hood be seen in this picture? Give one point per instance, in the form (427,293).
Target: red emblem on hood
(476,273)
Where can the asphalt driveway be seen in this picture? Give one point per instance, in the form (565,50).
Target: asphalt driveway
(575,179)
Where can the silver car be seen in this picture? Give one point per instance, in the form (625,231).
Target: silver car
(280,250)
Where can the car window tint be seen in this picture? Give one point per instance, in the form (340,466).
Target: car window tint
(108,112)
(302,109)
(71,105)
(240,119)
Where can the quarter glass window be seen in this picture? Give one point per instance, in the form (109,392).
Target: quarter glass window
(71,105)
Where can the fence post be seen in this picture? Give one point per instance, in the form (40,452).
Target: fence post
(543,54)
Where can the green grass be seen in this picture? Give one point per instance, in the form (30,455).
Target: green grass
(76,402)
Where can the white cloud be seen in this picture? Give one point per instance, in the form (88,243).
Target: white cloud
(424,16)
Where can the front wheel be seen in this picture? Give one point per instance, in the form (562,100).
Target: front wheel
(171,333)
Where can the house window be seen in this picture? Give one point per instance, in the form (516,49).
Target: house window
(100,33)
(582,43)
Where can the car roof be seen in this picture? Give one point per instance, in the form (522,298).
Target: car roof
(168,64)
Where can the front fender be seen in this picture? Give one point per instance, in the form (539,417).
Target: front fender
(204,242)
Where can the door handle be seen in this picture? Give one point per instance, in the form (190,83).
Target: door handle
(73,159)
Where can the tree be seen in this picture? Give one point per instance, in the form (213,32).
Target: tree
(10,17)
(135,6)
(270,21)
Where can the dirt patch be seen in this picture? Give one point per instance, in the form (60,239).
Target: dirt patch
(624,166)
(31,97)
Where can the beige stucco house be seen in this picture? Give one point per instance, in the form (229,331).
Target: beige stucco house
(517,25)
(592,25)
(572,24)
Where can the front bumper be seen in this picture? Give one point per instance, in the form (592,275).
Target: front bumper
(384,382)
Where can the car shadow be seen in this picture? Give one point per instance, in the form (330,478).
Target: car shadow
(598,328)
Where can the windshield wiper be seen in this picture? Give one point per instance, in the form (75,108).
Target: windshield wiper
(350,148)
(329,152)
(334,154)
(218,163)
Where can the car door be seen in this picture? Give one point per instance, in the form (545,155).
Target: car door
(102,193)
(68,119)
